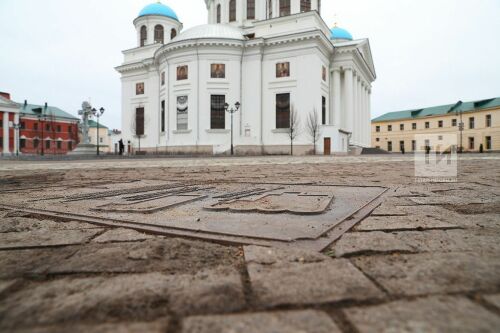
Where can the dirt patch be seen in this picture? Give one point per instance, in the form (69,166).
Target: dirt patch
(474,209)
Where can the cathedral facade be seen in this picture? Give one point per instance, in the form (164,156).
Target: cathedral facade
(277,59)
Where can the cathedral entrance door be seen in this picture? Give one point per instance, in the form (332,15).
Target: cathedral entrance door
(327,146)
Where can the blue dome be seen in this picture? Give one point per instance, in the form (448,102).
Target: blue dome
(158,9)
(339,33)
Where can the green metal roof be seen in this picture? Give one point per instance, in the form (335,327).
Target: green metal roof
(93,124)
(28,110)
(441,110)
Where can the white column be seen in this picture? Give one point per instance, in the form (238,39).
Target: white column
(240,11)
(16,133)
(336,120)
(354,118)
(349,85)
(366,117)
(295,7)
(314,5)
(6,150)
(368,102)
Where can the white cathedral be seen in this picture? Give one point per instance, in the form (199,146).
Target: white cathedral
(273,58)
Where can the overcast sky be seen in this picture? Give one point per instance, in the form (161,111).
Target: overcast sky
(426,52)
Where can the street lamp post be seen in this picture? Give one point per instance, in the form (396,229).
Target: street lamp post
(232,111)
(16,128)
(98,114)
(461,126)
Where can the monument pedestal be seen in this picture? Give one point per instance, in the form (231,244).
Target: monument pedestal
(84,149)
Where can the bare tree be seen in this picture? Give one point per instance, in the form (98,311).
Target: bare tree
(314,128)
(294,129)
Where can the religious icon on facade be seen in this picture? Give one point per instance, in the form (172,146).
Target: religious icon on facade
(139,88)
(323,74)
(283,69)
(218,71)
(182,73)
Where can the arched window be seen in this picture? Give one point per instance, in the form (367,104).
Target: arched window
(305,6)
(173,34)
(144,35)
(232,10)
(159,34)
(218,13)
(285,8)
(250,9)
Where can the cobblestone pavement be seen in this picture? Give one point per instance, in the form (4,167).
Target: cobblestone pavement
(426,260)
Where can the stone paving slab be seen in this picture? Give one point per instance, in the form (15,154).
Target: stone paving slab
(433,314)
(160,326)
(5,286)
(121,235)
(450,240)
(276,322)
(19,263)
(126,297)
(493,300)
(448,200)
(381,223)
(387,210)
(154,255)
(19,224)
(357,243)
(428,273)
(45,238)
(301,282)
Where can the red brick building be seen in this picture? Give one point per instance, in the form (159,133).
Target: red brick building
(42,129)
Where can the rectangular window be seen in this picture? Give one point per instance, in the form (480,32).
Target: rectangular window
(162,116)
(389,146)
(47,127)
(217,112)
(101,140)
(414,126)
(47,144)
(401,146)
(162,78)
(59,144)
(471,143)
(440,124)
(182,73)
(58,128)
(488,142)
(323,110)
(139,121)
(427,125)
(471,122)
(389,128)
(35,126)
(23,125)
(377,139)
(22,143)
(453,123)
(413,145)
(283,110)
(139,88)
(250,9)
(377,128)
(36,142)
(402,127)
(218,71)
(285,8)
(305,6)
(282,69)
(182,113)
(488,120)
(70,145)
